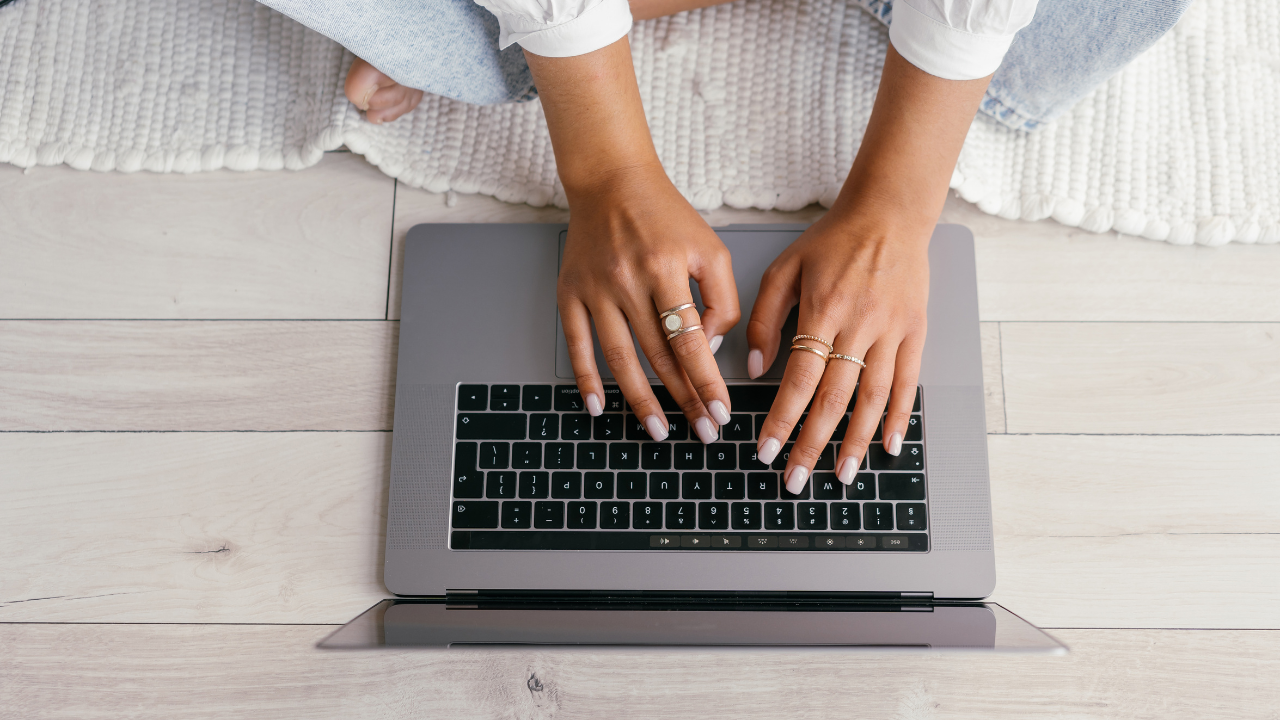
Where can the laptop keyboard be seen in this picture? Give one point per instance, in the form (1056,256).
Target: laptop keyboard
(533,471)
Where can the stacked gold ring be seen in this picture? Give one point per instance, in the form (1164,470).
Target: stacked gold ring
(830,347)
(850,358)
(814,350)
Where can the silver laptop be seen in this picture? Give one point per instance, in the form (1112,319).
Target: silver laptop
(516,517)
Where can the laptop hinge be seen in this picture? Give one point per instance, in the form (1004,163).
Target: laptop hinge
(677,599)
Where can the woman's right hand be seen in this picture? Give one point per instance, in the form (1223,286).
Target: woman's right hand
(633,244)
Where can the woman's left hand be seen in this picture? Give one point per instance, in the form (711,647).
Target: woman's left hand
(862,282)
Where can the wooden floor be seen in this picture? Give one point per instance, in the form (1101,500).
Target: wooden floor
(196,385)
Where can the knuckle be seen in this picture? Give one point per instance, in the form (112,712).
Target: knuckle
(585,379)
(687,345)
(616,355)
(707,389)
(803,378)
(877,394)
(832,399)
(857,439)
(690,406)
(663,361)
(805,454)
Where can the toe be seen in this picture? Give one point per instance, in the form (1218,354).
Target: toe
(363,81)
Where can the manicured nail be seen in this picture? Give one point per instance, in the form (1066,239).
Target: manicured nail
(894,446)
(657,427)
(796,478)
(719,412)
(768,451)
(755,364)
(714,343)
(368,95)
(593,405)
(706,430)
(848,468)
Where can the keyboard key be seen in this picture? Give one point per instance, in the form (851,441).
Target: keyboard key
(915,430)
(826,486)
(863,487)
(738,428)
(752,398)
(566,485)
(656,456)
(495,455)
(780,462)
(467,481)
(598,485)
(745,515)
(504,397)
(536,397)
(548,515)
(793,542)
(844,516)
(688,456)
(575,427)
(680,515)
(581,515)
(911,458)
(678,427)
(517,514)
(473,397)
(747,459)
(779,516)
(526,455)
(916,406)
(827,460)
(557,456)
(721,456)
(624,456)
(901,486)
(762,486)
(803,495)
(544,426)
(613,400)
(812,516)
(713,516)
(877,516)
(568,399)
(648,515)
(535,484)
(632,485)
(695,486)
(609,427)
(591,456)
(795,430)
(910,516)
(635,429)
(731,486)
(500,484)
(615,516)
(492,426)
(664,485)
(759,422)
(475,514)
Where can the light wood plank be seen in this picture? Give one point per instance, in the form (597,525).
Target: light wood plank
(187,375)
(144,671)
(1142,377)
(310,244)
(992,376)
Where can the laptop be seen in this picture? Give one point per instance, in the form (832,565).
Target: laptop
(515,517)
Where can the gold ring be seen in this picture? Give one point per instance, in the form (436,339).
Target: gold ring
(814,337)
(850,358)
(682,331)
(671,320)
(813,350)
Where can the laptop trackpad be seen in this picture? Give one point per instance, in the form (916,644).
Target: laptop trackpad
(752,252)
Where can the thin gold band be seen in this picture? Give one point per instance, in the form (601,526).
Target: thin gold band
(676,309)
(682,331)
(830,347)
(813,350)
(850,358)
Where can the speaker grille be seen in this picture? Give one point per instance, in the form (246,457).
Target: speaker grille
(959,478)
(418,507)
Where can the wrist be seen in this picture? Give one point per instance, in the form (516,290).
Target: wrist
(616,177)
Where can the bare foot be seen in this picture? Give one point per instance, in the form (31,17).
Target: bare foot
(381,98)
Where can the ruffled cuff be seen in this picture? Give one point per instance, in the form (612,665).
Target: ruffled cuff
(944,51)
(602,24)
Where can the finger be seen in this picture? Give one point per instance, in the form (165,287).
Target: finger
(698,368)
(719,296)
(620,354)
(577,334)
(873,392)
(363,81)
(779,292)
(903,395)
(803,374)
(830,403)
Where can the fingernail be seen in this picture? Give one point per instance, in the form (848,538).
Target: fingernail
(768,451)
(706,430)
(755,364)
(848,468)
(593,405)
(894,446)
(657,427)
(719,412)
(796,478)
(368,94)
(715,343)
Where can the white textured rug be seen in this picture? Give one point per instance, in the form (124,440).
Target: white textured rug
(752,104)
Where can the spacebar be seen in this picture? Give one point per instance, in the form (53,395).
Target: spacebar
(491,426)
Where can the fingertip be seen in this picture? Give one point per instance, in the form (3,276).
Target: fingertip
(719,412)
(848,468)
(755,364)
(796,479)
(594,406)
(714,343)
(706,430)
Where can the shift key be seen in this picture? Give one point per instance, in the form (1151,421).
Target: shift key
(492,426)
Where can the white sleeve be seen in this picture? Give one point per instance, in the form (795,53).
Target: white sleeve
(560,28)
(957,39)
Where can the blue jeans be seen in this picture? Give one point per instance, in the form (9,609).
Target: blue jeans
(450,48)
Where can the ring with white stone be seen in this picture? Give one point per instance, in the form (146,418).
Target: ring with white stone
(671,320)
(682,331)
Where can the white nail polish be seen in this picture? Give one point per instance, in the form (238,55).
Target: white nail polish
(657,427)
(768,451)
(593,405)
(714,344)
(755,364)
(719,412)
(848,468)
(894,446)
(796,479)
(706,430)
